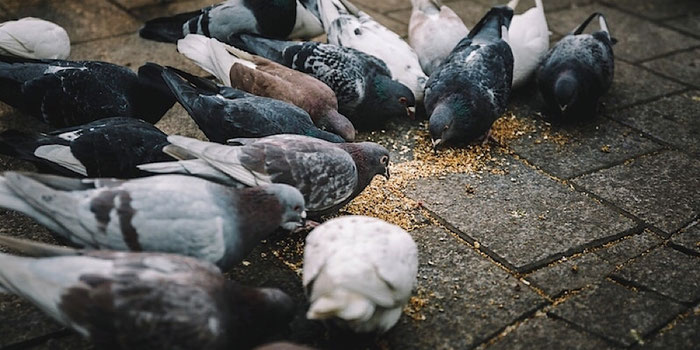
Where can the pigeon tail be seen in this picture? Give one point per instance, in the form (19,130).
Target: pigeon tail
(212,55)
(167,29)
(490,27)
(185,93)
(330,11)
(341,303)
(17,144)
(36,249)
(514,3)
(193,167)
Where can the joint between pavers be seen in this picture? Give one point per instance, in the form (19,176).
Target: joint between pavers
(653,152)
(609,204)
(587,331)
(104,38)
(639,287)
(670,325)
(489,340)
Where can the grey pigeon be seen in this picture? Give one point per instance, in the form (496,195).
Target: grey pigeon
(328,175)
(168,213)
(470,89)
(577,72)
(110,147)
(123,300)
(362,83)
(67,93)
(223,113)
(359,272)
(278,19)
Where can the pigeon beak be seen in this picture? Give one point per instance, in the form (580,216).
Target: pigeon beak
(411,111)
(303,215)
(386,173)
(563,108)
(436,143)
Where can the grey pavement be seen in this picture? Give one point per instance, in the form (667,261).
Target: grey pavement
(556,236)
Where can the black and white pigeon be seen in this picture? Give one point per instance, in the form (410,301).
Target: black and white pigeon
(359,272)
(470,89)
(347,26)
(223,113)
(110,147)
(67,93)
(362,83)
(328,175)
(577,72)
(293,19)
(34,38)
(168,213)
(123,300)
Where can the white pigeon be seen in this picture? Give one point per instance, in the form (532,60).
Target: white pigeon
(529,41)
(433,31)
(359,272)
(36,38)
(347,26)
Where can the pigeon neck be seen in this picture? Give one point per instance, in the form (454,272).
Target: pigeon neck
(364,173)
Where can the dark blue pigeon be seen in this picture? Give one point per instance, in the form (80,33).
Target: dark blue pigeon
(470,89)
(577,72)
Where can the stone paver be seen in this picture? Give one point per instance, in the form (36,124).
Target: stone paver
(619,252)
(689,24)
(570,274)
(617,313)
(21,321)
(684,335)
(661,189)
(524,218)
(633,84)
(550,333)
(688,239)
(638,39)
(656,9)
(83,20)
(683,66)
(572,150)
(667,272)
(170,8)
(670,119)
(469,12)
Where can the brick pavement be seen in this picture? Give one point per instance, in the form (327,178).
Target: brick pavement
(582,237)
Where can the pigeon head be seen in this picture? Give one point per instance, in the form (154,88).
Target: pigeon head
(292,202)
(370,159)
(389,98)
(338,124)
(565,91)
(574,96)
(264,309)
(442,127)
(154,97)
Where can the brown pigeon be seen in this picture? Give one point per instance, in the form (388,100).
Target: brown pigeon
(262,77)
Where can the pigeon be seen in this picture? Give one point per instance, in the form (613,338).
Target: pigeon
(293,19)
(262,77)
(528,36)
(110,147)
(67,93)
(282,346)
(31,37)
(577,71)
(366,93)
(328,175)
(470,89)
(125,300)
(167,213)
(359,272)
(433,31)
(223,113)
(347,26)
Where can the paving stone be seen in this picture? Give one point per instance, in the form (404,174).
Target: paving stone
(467,298)
(399,137)
(525,218)
(567,151)
(618,313)
(177,122)
(549,5)
(684,335)
(667,272)
(638,39)
(96,19)
(130,4)
(671,119)
(21,321)
(663,189)
(172,8)
(689,24)
(133,52)
(570,274)
(548,333)
(683,66)
(619,252)
(656,9)
(633,84)
(688,239)
(384,5)
(65,342)
(398,27)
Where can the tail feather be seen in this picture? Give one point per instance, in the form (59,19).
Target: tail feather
(330,11)
(185,93)
(150,76)
(213,56)
(167,29)
(36,249)
(9,199)
(17,144)
(194,167)
(490,27)
(513,4)
(341,304)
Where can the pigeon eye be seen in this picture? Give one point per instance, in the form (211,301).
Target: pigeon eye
(297,208)
(384,160)
(403,100)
